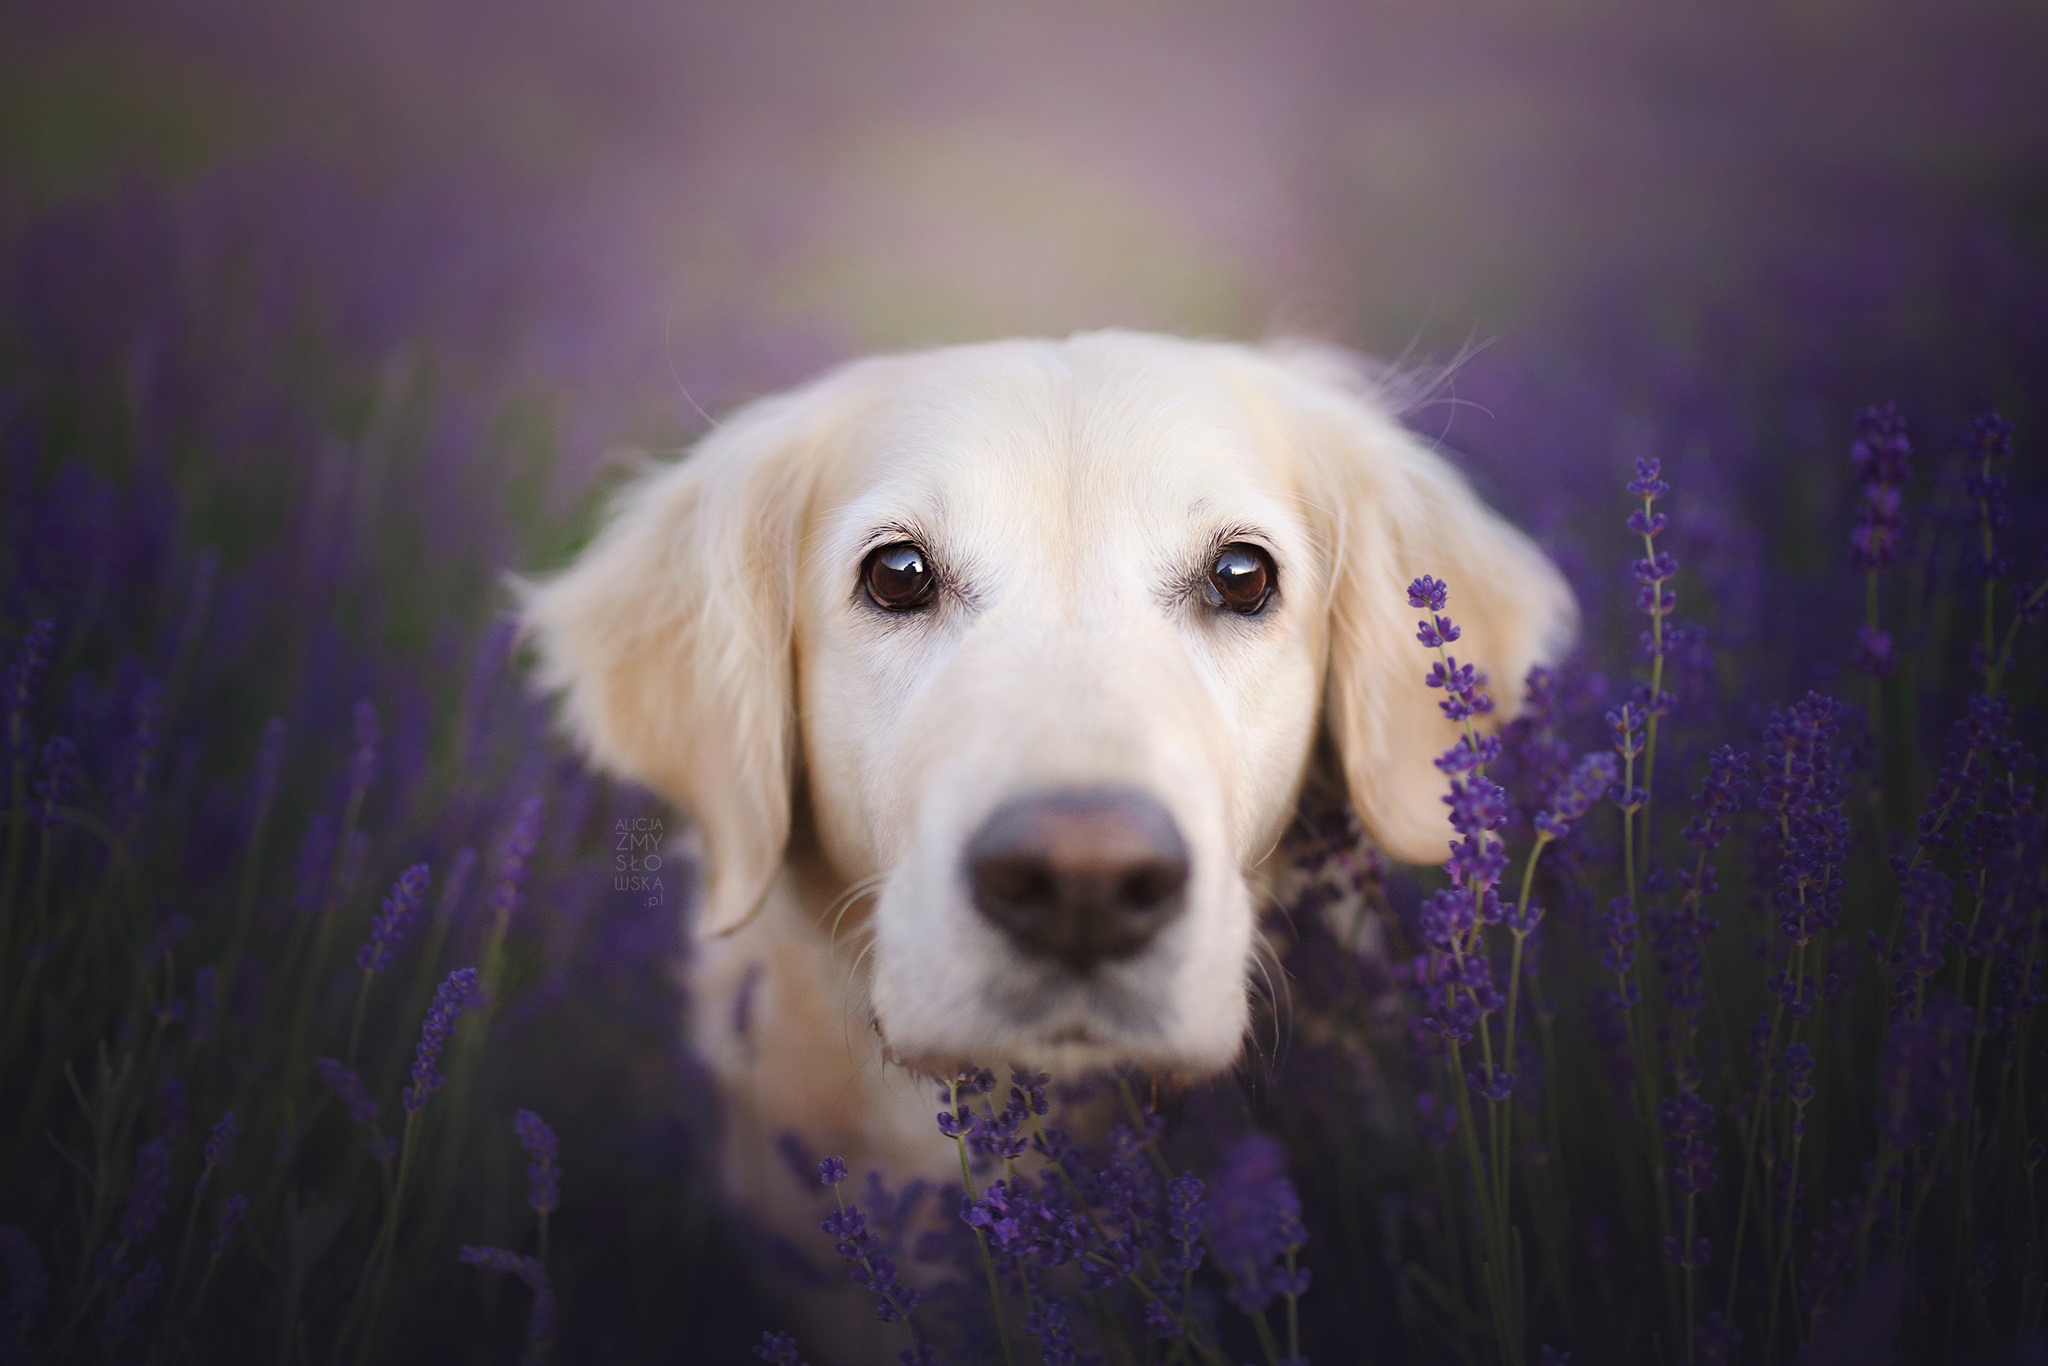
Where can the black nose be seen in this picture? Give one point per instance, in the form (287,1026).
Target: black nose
(1079,875)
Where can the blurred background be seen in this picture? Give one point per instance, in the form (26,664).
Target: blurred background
(695,201)
(316,318)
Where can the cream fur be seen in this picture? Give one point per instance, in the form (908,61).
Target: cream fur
(713,644)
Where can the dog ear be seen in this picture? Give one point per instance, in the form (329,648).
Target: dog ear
(1399,510)
(668,639)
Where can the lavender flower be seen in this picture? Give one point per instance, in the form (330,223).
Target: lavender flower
(1719,799)
(171,1107)
(868,1263)
(349,1089)
(831,1171)
(1880,454)
(1594,775)
(1687,1121)
(223,1135)
(54,783)
(1185,1209)
(316,861)
(1987,490)
(512,864)
(1923,1080)
(394,921)
(1716,1339)
(24,676)
(457,881)
(540,1323)
(362,764)
(232,1213)
(133,792)
(1656,569)
(1255,1223)
(1046,1320)
(1803,849)
(778,1349)
(133,1299)
(543,1176)
(146,1198)
(450,999)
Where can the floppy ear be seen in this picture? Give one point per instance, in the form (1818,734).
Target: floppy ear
(1398,511)
(668,639)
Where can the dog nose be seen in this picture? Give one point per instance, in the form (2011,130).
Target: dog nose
(1079,875)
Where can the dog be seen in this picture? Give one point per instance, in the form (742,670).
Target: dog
(990,676)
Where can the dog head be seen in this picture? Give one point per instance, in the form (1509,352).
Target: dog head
(1043,636)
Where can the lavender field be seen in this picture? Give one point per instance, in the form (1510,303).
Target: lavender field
(330,1029)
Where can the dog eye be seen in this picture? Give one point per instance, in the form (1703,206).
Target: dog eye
(1241,579)
(898,577)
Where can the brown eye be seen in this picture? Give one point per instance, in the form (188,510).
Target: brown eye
(1241,579)
(898,577)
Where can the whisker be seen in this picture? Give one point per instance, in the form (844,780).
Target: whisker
(846,901)
(858,998)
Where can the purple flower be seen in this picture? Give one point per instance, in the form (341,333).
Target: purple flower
(540,1322)
(1987,490)
(1880,454)
(1646,485)
(831,1171)
(512,864)
(1429,593)
(1255,1223)
(1716,1339)
(1802,851)
(232,1214)
(24,676)
(778,1349)
(133,791)
(1618,938)
(1046,1320)
(1873,652)
(543,1175)
(1923,1073)
(1687,1121)
(133,1299)
(348,1087)
(450,999)
(1587,783)
(362,763)
(1185,1209)
(59,774)
(868,1262)
(1719,799)
(316,861)
(151,1190)
(457,881)
(394,920)
(223,1135)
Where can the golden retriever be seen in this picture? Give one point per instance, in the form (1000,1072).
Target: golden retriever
(991,676)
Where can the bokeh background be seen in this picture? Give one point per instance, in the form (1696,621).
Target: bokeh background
(320,317)
(696,201)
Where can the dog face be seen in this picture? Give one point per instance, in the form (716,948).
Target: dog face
(1045,634)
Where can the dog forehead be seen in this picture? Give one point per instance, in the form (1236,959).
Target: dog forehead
(992,440)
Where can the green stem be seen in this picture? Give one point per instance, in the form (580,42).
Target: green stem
(988,1262)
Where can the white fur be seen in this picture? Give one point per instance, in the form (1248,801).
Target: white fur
(713,643)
